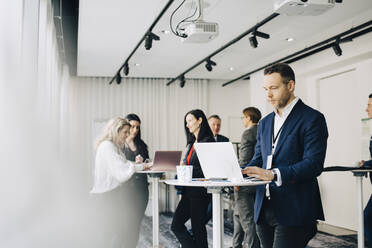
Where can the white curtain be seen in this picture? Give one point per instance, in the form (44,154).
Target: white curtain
(160,108)
(46,126)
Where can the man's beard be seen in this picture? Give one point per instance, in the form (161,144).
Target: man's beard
(284,102)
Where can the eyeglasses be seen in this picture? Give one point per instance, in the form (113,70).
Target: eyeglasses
(242,117)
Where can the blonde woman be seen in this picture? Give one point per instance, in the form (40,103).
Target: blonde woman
(113,176)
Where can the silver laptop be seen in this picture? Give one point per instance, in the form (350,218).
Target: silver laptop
(166,160)
(218,161)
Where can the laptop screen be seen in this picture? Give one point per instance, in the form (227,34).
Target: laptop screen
(218,160)
(166,160)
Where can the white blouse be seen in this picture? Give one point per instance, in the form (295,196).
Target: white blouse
(111,168)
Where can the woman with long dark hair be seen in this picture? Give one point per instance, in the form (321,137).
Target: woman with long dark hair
(194,201)
(135,149)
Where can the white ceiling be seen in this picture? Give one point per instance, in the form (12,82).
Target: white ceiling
(109,30)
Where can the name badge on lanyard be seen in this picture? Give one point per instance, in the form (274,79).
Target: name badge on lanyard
(269,161)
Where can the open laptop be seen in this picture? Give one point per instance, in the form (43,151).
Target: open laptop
(218,161)
(166,160)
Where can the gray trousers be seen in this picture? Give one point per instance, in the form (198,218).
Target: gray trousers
(244,226)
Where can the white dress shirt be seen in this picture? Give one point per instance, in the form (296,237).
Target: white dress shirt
(111,168)
(278,123)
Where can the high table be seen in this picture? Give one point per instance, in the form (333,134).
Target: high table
(155,176)
(359,174)
(215,187)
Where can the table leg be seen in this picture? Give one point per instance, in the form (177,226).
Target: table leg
(218,224)
(155,212)
(360,211)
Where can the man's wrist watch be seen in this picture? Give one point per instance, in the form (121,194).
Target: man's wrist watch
(275,175)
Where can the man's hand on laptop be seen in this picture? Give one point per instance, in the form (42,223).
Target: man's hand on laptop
(257,172)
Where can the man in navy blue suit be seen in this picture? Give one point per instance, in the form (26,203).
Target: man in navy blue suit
(368,209)
(290,152)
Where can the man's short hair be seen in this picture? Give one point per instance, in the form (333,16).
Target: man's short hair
(283,69)
(214,116)
(253,113)
(370,95)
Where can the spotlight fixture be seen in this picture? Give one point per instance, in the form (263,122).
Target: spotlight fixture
(148,42)
(118,78)
(336,47)
(209,64)
(126,69)
(182,81)
(261,35)
(253,41)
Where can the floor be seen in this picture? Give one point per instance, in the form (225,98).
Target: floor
(168,240)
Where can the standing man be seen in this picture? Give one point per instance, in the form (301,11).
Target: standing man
(368,209)
(215,125)
(244,226)
(290,152)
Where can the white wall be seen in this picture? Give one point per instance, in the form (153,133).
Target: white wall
(228,102)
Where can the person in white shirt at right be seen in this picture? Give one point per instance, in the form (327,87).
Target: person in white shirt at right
(113,174)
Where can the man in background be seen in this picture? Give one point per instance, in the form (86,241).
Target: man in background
(244,227)
(215,125)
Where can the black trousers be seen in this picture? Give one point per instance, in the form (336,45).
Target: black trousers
(274,235)
(194,208)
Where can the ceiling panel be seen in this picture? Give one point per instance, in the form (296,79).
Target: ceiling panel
(109,30)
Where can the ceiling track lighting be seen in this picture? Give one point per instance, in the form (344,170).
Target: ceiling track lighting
(336,47)
(126,69)
(253,41)
(233,41)
(261,35)
(347,36)
(118,78)
(209,64)
(182,81)
(149,38)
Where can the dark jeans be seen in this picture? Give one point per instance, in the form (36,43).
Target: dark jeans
(274,235)
(193,208)
(368,222)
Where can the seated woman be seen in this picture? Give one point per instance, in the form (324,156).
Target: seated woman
(113,175)
(194,201)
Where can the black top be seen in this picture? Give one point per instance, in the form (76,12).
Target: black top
(131,155)
(196,172)
(138,180)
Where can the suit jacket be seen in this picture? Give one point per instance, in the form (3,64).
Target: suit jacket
(221,138)
(196,172)
(299,156)
(247,144)
(369,162)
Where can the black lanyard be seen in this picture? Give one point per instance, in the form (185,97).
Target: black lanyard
(274,138)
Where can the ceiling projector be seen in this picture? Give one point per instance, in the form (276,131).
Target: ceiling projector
(200,32)
(302,7)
